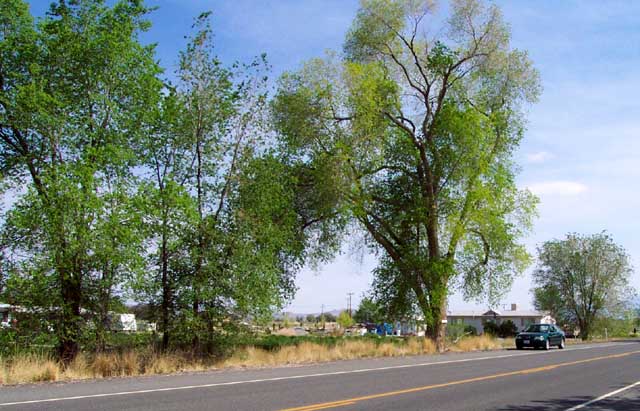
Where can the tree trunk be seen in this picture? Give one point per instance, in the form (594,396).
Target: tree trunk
(166,288)
(436,328)
(585,330)
(433,302)
(69,331)
(102,324)
(198,269)
(441,326)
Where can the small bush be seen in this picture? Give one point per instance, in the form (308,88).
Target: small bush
(455,331)
(470,330)
(490,328)
(507,329)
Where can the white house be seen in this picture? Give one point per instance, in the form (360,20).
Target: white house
(477,319)
(5,315)
(123,322)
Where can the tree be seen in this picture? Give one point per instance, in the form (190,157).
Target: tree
(326,317)
(225,223)
(167,206)
(368,312)
(73,89)
(344,319)
(582,277)
(547,298)
(411,137)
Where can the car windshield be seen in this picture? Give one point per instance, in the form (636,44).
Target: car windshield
(537,328)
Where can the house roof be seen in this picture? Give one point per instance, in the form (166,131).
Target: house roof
(492,313)
(524,313)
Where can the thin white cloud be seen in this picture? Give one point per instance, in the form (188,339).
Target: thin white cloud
(558,188)
(539,157)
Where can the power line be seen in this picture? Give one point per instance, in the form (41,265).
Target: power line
(350,294)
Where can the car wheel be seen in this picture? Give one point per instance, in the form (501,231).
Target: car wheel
(561,346)
(546,344)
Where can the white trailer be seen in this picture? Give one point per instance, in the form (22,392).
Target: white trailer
(123,322)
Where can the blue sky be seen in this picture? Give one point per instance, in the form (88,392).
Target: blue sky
(580,153)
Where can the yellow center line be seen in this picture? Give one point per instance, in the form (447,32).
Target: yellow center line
(350,401)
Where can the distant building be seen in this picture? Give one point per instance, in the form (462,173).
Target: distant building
(5,315)
(123,322)
(477,318)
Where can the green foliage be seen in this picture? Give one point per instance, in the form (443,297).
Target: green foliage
(455,331)
(470,330)
(275,342)
(619,326)
(326,317)
(581,279)
(491,328)
(368,312)
(507,329)
(128,186)
(414,137)
(74,89)
(345,320)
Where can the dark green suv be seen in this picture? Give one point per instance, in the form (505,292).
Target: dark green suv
(540,336)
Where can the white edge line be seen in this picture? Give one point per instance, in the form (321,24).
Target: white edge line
(294,377)
(602,397)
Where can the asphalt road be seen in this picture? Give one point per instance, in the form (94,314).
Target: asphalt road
(590,377)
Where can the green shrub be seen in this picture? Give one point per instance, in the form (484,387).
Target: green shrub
(490,327)
(14,342)
(507,329)
(470,330)
(455,331)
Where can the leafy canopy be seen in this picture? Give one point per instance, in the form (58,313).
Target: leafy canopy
(413,134)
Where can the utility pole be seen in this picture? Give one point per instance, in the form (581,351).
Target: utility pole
(350,294)
(322,316)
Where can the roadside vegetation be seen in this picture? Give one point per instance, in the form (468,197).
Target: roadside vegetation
(583,281)
(140,354)
(200,193)
(31,367)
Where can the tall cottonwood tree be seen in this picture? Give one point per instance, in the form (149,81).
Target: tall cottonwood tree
(247,241)
(72,88)
(224,229)
(412,133)
(166,204)
(582,278)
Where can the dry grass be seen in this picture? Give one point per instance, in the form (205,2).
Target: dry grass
(170,363)
(36,368)
(307,352)
(112,365)
(477,343)
(81,368)
(30,368)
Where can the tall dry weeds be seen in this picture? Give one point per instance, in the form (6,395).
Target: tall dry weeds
(477,343)
(35,368)
(308,352)
(30,368)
